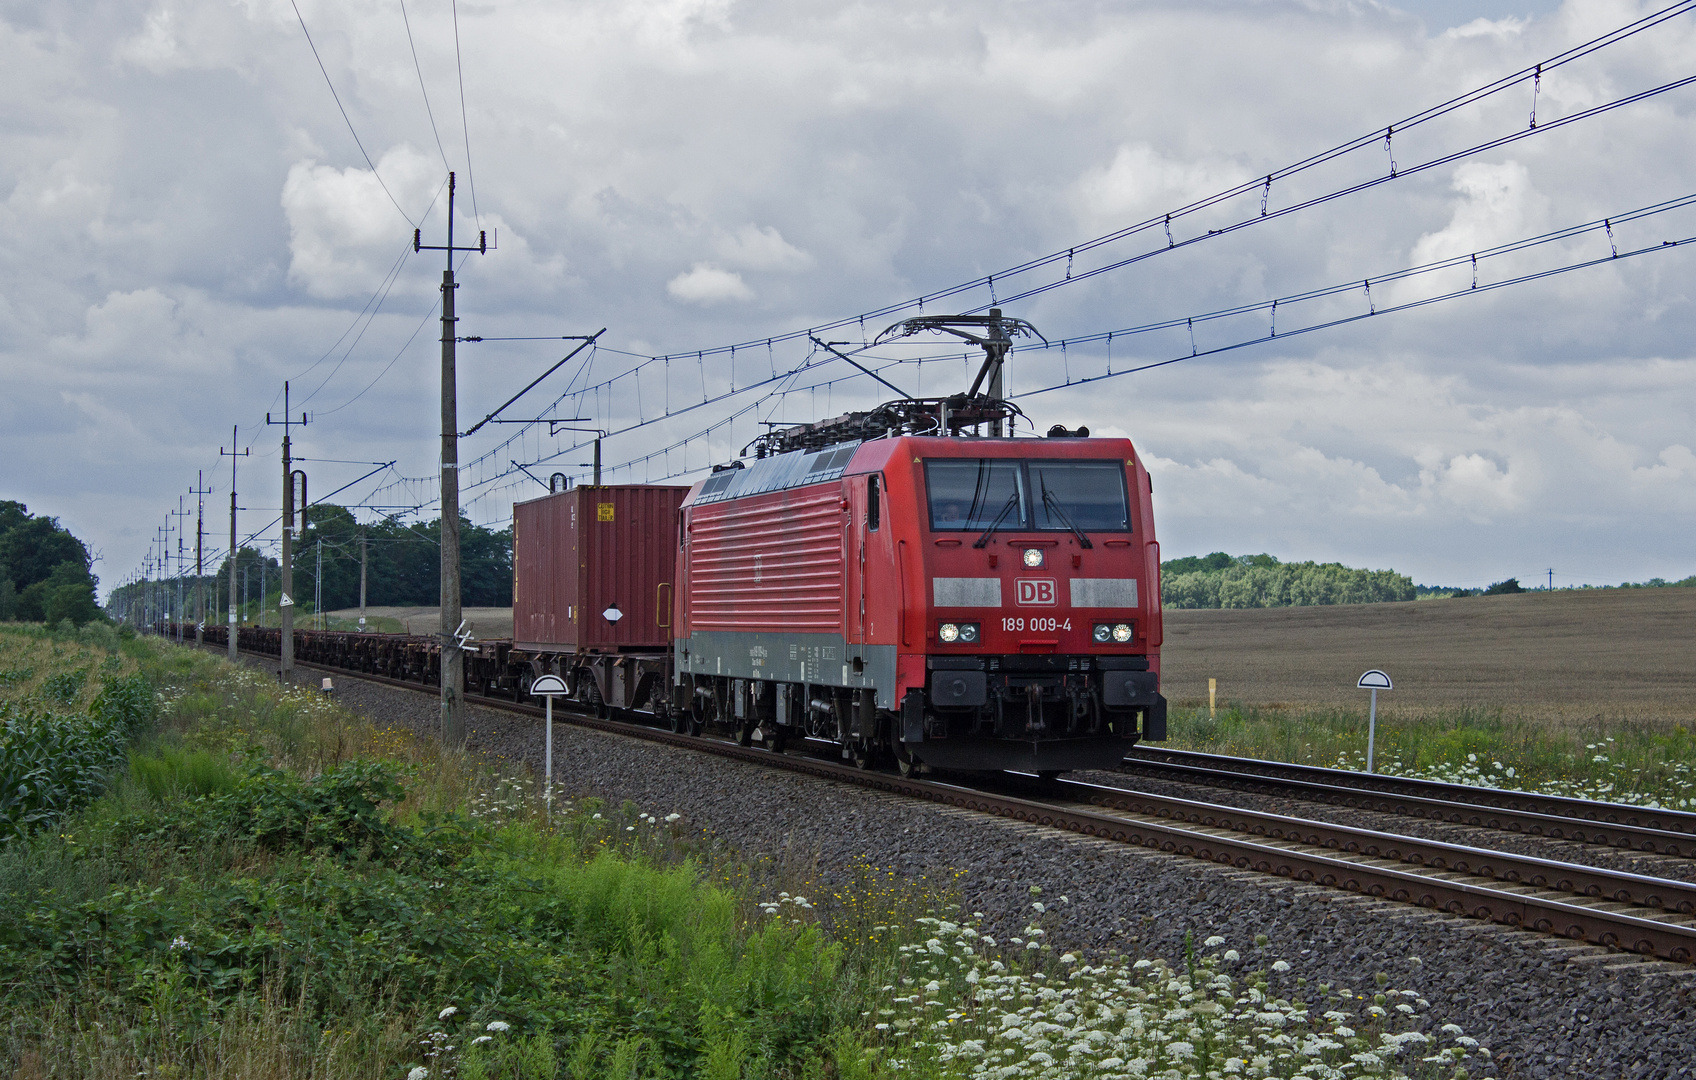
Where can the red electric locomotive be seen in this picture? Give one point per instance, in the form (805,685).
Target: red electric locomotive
(893,581)
(967,603)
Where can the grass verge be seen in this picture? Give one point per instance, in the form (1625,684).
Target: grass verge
(1641,763)
(269,886)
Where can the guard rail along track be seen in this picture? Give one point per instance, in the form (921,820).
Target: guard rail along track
(1637,828)
(1576,902)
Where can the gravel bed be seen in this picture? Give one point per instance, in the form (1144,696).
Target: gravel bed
(1542,847)
(1547,1008)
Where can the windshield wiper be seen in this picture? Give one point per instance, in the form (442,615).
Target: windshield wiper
(1012,503)
(1054,507)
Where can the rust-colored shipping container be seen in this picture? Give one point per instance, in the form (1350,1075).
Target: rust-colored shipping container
(580,553)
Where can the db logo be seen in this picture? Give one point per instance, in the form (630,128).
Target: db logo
(1035,592)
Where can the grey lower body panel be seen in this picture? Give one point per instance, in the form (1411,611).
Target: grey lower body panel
(1049,755)
(814,659)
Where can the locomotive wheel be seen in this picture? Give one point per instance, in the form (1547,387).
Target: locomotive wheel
(745,734)
(680,722)
(774,738)
(904,760)
(861,755)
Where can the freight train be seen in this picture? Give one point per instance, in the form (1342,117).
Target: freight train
(889,583)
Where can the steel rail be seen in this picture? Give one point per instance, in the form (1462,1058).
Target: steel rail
(1520,871)
(1617,825)
(1564,917)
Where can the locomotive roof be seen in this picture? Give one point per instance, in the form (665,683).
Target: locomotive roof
(799,468)
(794,469)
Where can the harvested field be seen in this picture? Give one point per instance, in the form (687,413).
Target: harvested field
(485,623)
(1620,655)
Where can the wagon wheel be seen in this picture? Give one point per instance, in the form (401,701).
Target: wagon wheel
(592,698)
(680,722)
(775,737)
(861,754)
(745,734)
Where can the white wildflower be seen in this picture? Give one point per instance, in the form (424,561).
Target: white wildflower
(447,1012)
(498,1025)
(1231,956)
(1281,966)
(1214,942)
(418,1072)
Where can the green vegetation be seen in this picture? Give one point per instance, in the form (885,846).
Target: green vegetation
(1252,581)
(1645,764)
(45,572)
(269,887)
(403,567)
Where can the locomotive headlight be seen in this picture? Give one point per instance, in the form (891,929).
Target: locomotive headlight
(1033,557)
(969,633)
(1103,633)
(949,632)
(1121,632)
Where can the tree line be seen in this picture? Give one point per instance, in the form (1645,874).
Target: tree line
(46,574)
(1256,581)
(402,566)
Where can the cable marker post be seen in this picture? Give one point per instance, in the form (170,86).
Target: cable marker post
(1374,681)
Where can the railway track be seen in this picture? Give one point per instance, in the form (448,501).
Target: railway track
(1632,828)
(1645,915)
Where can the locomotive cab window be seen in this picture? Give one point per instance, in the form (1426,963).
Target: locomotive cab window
(967,494)
(1042,495)
(1089,493)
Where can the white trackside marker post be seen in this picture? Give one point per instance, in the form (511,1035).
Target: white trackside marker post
(549,687)
(1374,681)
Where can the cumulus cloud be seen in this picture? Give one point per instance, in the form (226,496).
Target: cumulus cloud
(344,229)
(754,247)
(1497,203)
(705,283)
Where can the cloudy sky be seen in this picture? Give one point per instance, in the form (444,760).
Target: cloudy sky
(190,221)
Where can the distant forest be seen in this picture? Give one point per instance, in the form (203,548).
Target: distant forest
(46,574)
(1250,581)
(403,565)
(1258,581)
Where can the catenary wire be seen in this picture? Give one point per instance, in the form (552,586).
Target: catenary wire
(416,66)
(345,117)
